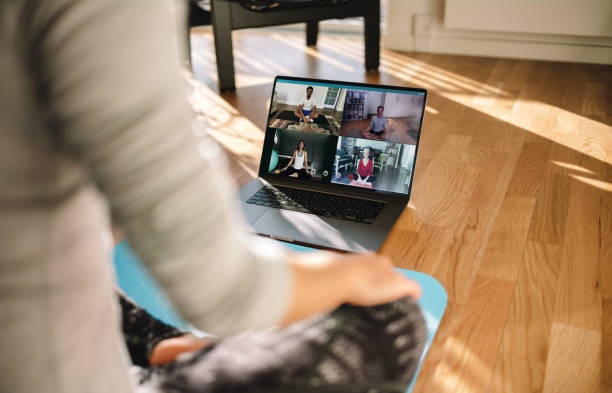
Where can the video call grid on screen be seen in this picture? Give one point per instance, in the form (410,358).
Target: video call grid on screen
(357,136)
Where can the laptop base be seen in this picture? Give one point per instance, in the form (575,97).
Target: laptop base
(317,231)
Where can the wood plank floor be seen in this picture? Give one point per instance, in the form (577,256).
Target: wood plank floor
(511,208)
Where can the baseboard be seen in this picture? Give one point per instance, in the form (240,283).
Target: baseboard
(504,48)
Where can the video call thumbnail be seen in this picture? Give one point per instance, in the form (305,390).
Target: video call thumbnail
(304,155)
(382,116)
(372,164)
(306,108)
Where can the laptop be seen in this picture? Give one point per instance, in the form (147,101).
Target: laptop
(337,164)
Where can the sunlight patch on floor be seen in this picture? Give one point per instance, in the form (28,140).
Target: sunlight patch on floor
(294,43)
(551,122)
(602,185)
(223,122)
(574,167)
(450,381)
(537,117)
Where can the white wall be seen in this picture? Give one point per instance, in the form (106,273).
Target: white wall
(566,17)
(370,143)
(292,94)
(341,100)
(396,105)
(403,105)
(372,101)
(408,156)
(503,28)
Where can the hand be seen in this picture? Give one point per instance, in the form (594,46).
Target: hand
(374,281)
(323,281)
(168,350)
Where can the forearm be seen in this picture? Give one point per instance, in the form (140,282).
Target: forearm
(318,285)
(323,281)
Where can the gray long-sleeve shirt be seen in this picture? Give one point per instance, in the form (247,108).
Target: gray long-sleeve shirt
(94,120)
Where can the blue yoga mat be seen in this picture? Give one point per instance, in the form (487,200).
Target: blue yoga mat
(134,279)
(432,302)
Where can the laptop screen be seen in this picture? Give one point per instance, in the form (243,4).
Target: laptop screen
(342,133)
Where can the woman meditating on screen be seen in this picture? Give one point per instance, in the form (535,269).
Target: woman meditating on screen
(364,168)
(299,159)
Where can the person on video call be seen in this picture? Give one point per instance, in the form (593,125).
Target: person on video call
(307,110)
(298,163)
(96,124)
(364,168)
(378,124)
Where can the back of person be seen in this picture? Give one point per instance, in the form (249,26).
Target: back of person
(52,228)
(94,122)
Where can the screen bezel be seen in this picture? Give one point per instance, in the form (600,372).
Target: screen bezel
(334,187)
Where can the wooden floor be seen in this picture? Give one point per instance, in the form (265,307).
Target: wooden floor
(511,208)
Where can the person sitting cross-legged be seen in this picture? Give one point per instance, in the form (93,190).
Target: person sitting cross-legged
(378,124)
(307,110)
(298,163)
(365,168)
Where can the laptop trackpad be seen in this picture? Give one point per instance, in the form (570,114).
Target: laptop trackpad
(302,227)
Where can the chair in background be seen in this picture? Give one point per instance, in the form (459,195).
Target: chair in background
(377,163)
(342,162)
(384,161)
(229,15)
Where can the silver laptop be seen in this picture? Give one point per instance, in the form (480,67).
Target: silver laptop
(337,163)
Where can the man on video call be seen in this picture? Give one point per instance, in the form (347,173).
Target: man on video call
(378,124)
(307,110)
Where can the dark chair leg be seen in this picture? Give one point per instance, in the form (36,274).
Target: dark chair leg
(312,32)
(372,35)
(222,31)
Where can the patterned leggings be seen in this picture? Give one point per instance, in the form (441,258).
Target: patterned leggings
(352,349)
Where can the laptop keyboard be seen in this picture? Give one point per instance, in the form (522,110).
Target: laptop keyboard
(321,204)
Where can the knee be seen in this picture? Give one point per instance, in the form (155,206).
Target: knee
(403,321)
